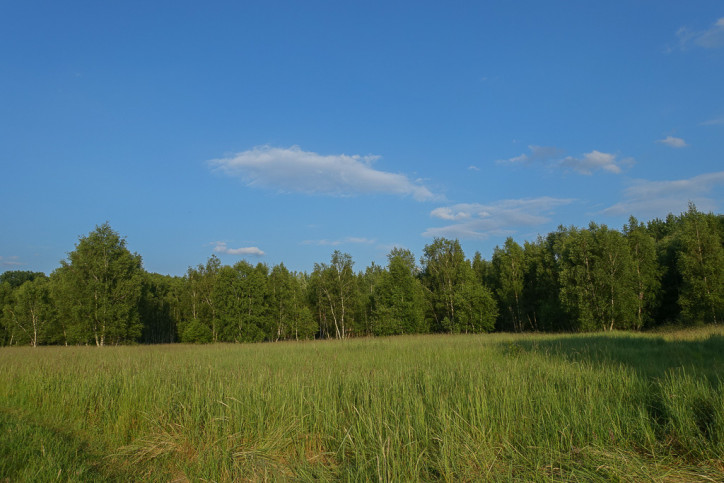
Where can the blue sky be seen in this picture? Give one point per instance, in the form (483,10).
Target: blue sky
(282,131)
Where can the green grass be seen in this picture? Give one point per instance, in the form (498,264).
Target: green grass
(612,407)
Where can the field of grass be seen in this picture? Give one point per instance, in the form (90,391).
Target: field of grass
(631,407)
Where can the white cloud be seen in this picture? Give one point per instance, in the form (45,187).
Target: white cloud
(713,122)
(658,198)
(594,161)
(343,241)
(584,164)
(473,168)
(537,153)
(481,221)
(711,38)
(222,248)
(457,212)
(10,262)
(294,170)
(673,142)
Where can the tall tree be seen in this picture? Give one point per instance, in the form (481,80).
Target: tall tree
(457,300)
(476,307)
(541,286)
(597,279)
(30,312)
(159,308)
(646,269)
(201,282)
(509,272)
(400,299)
(614,276)
(337,286)
(240,301)
(291,317)
(578,289)
(282,301)
(103,279)
(18,277)
(5,292)
(367,314)
(701,262)
(666,232)
(443,263)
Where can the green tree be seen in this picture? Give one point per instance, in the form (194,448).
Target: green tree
(457,300)
(30,312)
(336,289)
(400,299)
(291,318)
(666,234)
(318,303)
(701,263)
(282,301)
(240,301)
(578,289)
(443,270)
(541,286)
(200,285)
(597,279)
(646,269)
(5,292)
(196,332)
(614,276)
(102,282)
(367,315)
(509,272)
(476,307)
(15,278)
(303,325)
(159,308)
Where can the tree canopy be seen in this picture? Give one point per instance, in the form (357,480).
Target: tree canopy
(573,279)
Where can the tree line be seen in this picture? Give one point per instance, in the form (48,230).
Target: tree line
(573,279)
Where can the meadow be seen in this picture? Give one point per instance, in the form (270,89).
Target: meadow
(496,407)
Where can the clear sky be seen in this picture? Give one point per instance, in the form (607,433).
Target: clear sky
(280,131)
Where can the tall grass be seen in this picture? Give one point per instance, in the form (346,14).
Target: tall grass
(453,408)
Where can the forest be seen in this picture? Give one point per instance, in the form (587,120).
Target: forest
(646,275)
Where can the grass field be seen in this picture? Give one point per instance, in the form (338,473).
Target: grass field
(630,407)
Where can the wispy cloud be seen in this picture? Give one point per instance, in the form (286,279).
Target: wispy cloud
(537,153)
(294,170)
(711,38)
(481,221)
(586,163)
(10,262)
(673,142)
(658,198)
(713,122)
(342,241)
(594,161)
(221,247)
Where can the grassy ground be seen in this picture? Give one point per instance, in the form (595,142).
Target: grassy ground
(621,407)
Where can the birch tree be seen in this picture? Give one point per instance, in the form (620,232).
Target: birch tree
(457,300)
(701,263)
(30,312)
(508,268)
(400,298)
(336,285)
(646,269)
(102,280)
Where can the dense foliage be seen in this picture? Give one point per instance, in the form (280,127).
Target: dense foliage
(573,279)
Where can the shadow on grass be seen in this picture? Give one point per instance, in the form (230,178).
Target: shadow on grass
(683,395)
(650,356)
(31,451)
